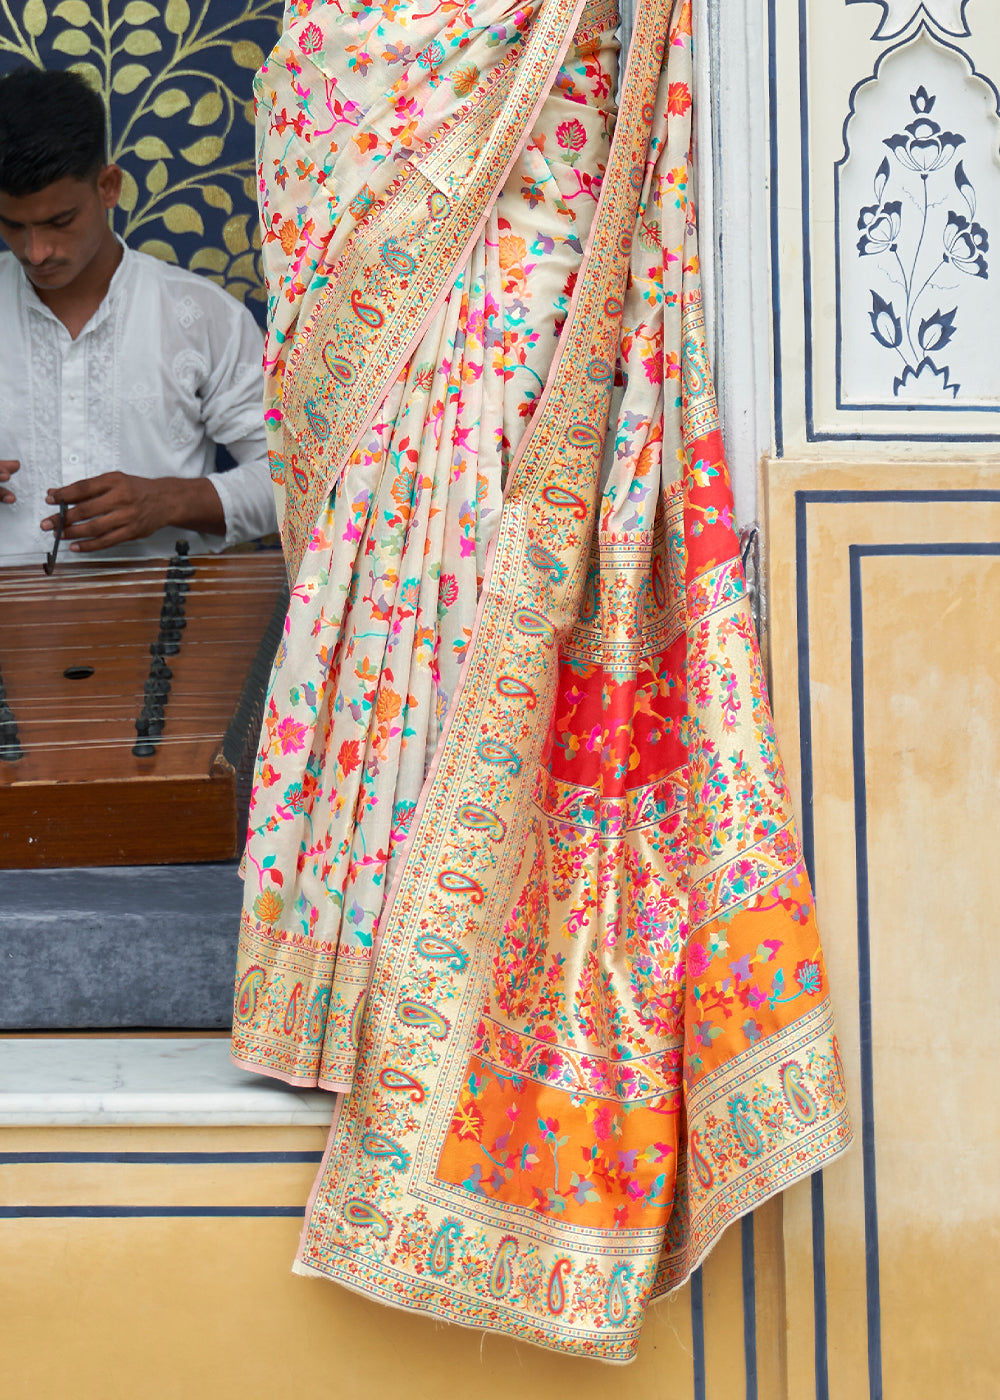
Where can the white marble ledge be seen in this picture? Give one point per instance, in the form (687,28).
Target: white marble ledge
(102,1081)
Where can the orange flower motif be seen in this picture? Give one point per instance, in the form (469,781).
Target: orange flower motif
(683,25)
(464,80)
(289,236)
(403,486)
(678,99)
(349,756)
(387,706)
(268,906)
(649,458)
(513,251)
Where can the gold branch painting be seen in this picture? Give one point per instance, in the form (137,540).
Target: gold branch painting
(176,83)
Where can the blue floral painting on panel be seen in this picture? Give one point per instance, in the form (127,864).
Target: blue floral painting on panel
(931,182)
(176,83)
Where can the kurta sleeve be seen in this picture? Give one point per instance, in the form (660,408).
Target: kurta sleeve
(233,415)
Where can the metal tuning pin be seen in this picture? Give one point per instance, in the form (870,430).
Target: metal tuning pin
(172,619)
(181,566)
(10,744)
(144,747)
(50,558)
(170,640)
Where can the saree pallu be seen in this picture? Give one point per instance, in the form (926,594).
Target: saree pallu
(588,1025)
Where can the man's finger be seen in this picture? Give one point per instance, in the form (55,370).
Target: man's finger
(83,490)
(118,536)
(84,514)
(7,469)
(102,523)
(7,498)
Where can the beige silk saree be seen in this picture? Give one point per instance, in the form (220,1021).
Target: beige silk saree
(522,880)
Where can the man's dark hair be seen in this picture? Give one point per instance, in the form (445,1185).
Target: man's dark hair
(51,125)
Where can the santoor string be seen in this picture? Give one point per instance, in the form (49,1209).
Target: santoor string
(63,620)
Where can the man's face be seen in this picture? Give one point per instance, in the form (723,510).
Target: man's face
(57,232)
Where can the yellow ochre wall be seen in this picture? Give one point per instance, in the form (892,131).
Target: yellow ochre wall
(885,648)
(167,1306)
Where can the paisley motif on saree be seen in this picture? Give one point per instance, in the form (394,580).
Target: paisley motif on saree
(592,1023)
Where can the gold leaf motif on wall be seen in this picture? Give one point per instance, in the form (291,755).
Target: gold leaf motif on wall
(158,249)
(177,16)
(203,151)
(156,180)
(73,12)
(138,12)
(72,41)
(130,193)
(152,148)
(245,266)
(89,73)
(127,79)
(35,17)
(183,218)
(217,197)
(209,259)
(171,101)
(248,54)
(234,234)
(207,109)
(141,41)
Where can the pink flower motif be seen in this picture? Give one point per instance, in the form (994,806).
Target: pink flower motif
(448,590)
(291,735)
(571,137)
(652,365)
(698,959)
(311,39)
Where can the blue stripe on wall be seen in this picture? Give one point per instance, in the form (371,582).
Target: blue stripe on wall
(698,1334)
(802,501)
(749,1305)
(772,88)
(864,980)
(158,1158)
(821,1353)
(147,1212)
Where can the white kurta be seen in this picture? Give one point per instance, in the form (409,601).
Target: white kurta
(168,366)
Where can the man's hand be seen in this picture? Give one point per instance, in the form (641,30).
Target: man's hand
(7,470)
(108,510)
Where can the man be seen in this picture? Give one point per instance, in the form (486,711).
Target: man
(118,373)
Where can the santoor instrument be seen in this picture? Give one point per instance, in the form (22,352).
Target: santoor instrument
(131,696)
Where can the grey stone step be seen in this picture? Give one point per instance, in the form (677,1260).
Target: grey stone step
(144,947)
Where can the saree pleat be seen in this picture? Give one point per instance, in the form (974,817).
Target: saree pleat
(383,606)
(522,875)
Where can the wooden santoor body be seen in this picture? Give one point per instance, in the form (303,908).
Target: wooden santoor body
(79,795)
